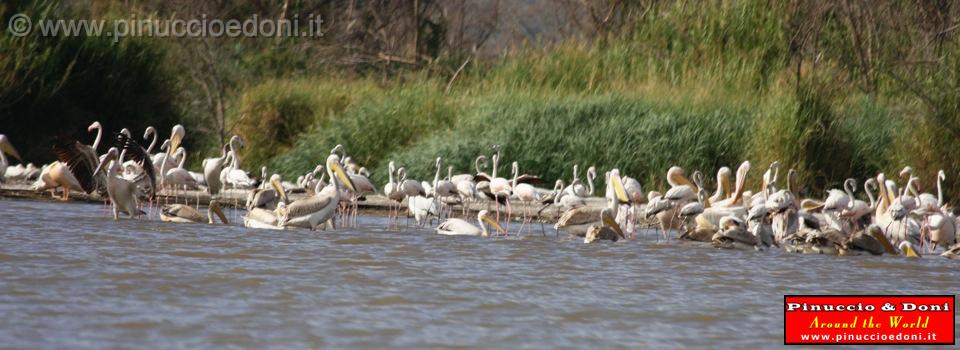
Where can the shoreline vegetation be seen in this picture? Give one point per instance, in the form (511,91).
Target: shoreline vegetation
(834,90)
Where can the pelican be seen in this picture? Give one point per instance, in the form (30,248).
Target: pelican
(184,213)
(607,230)
(264,219)
(122,192)
(723,180)
(908,250)
(266,198)
(576,221)
(459,227)
(733,234)
(176,137)
(953,252)
(55,175)
(267,219)
(6,148)
(864,241)
(21,172)
(322,207)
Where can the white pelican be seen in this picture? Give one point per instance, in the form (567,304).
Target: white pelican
(176,137)
(864,241)
(733,234)
(6,148)
(577,221)
(21,172)
(322,207)
(55,175)
(266,219)
(266,198)
(953,252)
(608,229)
(908,249)
(185,214)
(459,227)
(122,192)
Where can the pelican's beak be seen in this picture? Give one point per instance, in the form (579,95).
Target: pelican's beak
(217,210)
(910,252)
(7,148)
(878,234)
(175,139)
(617,184)
(279,188)
(342,175)
(101,166)
(493,223)
(609,221)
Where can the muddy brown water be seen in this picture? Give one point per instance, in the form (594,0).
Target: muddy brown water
(70,277)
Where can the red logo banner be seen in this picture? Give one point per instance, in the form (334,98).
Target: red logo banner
(869,319)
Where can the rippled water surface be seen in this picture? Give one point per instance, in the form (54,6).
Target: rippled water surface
(71,277)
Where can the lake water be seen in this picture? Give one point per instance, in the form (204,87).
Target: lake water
(70,277)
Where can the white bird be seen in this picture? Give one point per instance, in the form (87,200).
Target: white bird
(459,227)
(322,207)
(178,176)
(122,192)
(183,213)
(212,168)
(525,193)
(6,148)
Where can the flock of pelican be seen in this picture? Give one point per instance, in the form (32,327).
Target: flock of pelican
(895,220)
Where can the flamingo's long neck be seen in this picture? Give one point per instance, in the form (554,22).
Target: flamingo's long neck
(152,143)
(436,175)
(183,158)
(590,177)
(939,190)
(96,142)
(391,170)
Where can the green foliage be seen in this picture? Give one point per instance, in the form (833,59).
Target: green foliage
(56,86)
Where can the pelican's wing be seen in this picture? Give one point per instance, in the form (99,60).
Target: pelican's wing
(139,155)
(80,159)
(307,206)
(577,216)
(183,211)
(263,216)
(457,227)
(865,242)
